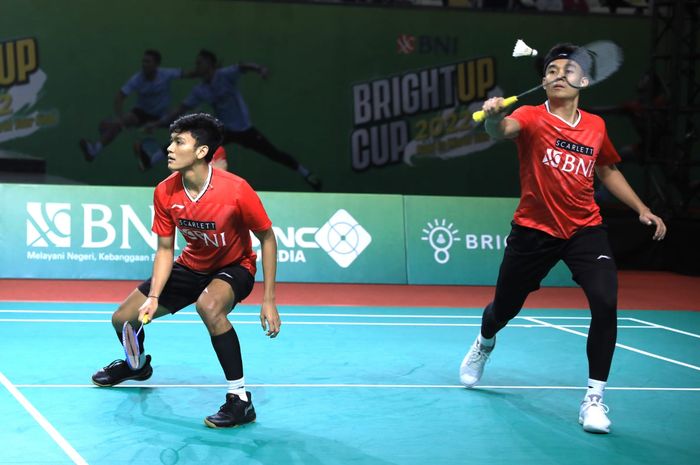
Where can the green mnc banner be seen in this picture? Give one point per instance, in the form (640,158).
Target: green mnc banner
(461,240)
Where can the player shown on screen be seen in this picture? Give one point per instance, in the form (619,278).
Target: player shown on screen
(152,87)
(219,88)
(215,211)
(560,148)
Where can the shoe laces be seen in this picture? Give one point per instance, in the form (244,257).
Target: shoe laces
(479,354)
(113,364)
(588,403)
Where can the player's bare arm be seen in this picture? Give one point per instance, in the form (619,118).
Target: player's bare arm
(162,266)
(263,71)
(167,119)
(269,317)
(496,124)
(615,182)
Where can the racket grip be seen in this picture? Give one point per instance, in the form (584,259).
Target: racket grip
(479,116)
(145,319)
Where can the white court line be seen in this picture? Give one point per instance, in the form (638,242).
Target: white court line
(349,386)
(309,323)
(43,422)
(334,315)
(667,328)
(621,346)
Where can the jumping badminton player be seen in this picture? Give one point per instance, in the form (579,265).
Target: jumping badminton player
(559,148)
(219,88)
(215,211)
(152,87)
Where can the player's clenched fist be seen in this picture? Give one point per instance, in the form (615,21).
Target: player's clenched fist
(493,106)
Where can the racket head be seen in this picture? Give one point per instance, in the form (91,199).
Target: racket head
(130,341)
(596,61)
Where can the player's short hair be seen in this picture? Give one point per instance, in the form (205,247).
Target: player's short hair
(155,54)
(209,56)
(568,51)
(205,129)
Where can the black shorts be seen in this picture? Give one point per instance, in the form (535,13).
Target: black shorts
(185,285)
(143,117)
(530,254)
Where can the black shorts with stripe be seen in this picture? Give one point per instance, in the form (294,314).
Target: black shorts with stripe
(185,285)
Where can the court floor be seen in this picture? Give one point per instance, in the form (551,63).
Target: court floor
(347,385)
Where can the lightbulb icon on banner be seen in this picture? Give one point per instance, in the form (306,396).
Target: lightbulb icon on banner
(441,236)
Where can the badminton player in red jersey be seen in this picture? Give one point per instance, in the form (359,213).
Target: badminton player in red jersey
(215,211)
(560,148)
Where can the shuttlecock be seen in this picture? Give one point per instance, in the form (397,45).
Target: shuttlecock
(521,49)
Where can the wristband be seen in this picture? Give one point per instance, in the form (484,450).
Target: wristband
(153,297)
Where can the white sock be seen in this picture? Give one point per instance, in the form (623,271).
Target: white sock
(303,171)
(595,388)
(490,342)
(237,386)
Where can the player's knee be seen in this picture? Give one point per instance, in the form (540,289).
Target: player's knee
(211,310)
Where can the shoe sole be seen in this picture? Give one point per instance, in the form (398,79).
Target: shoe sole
(212,425)
(134,378)
(592,430)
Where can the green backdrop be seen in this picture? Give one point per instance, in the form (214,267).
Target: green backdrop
(386,79)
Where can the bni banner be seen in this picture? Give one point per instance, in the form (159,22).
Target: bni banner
(453,240)
(91,232)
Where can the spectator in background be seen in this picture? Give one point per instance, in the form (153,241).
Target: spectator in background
(152,87)
(219,88)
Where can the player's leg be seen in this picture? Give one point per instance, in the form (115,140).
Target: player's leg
(589,256)
(109,130)
(528,257)
(229,286)
(253,139)
(181,289)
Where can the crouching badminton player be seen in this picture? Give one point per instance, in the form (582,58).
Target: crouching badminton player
(215,211)
(559,148)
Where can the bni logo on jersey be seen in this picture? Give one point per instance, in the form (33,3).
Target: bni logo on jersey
(48,224)
(343,238)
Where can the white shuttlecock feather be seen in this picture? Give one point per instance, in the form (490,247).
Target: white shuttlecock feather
(521,49)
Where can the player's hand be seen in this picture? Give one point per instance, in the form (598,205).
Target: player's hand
(149,308)
(649,219)
(493,107)
(270,319)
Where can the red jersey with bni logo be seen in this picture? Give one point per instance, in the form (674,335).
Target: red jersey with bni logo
(216,224)
(557,161)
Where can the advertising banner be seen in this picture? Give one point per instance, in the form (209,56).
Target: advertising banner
(461,240)
(89,232)
(369,100)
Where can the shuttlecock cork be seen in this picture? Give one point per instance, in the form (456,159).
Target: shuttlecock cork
(522,49)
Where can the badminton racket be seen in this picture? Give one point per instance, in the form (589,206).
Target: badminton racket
(598,60)
(130,340)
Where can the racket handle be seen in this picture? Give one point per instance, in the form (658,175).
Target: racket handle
(479,116)
(145,319)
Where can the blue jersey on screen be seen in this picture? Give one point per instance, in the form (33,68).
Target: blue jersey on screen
(153,96)
(223,95)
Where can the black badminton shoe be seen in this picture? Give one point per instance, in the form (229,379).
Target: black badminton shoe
(235,412)
(118,371)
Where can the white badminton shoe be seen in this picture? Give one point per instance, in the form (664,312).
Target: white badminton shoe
(593,415)
(473,364)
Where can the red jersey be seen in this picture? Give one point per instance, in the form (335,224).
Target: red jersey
(216,224)
(556,169)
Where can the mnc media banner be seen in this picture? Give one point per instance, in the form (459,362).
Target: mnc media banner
(86,232)
(461,240)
